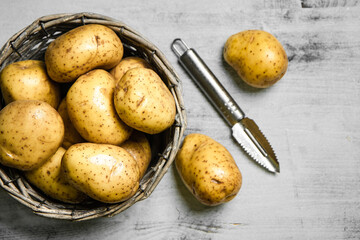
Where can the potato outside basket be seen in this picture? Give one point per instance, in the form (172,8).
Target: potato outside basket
(31,43)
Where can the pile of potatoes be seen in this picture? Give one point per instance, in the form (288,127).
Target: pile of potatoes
(89,140)
(77,123)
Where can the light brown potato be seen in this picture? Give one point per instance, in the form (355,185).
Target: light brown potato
(208,170)
(143,101)
(104,172)
(126,64)
(91,109)
(48,179)
(28,80)
(30,133)
(139,148)
(71,135)
(257,56)
(81,50)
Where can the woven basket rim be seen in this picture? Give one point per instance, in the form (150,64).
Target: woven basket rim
(30,42)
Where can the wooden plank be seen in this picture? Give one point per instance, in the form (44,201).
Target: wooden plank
(311,118)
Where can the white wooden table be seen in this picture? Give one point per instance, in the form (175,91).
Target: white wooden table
(311,117)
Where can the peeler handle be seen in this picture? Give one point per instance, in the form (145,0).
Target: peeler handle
(207,82)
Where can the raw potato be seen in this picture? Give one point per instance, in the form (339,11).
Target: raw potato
(81,50)
(139,148)
(91,109)
(49,179)
(28,80)
(104,172)
(127,64)
(208,170)
(71,135)
(31,131)
(143,101)
(257,56)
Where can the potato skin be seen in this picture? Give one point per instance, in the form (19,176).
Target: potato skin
(71,135)
(31,131)
(28,80)
(104,172)
(49,179)
(82,49)
(257,56)
(139,148)
(91,109)
(208,170)
(126,64)
(143,101)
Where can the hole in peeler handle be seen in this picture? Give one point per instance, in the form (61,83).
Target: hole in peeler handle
(179,47)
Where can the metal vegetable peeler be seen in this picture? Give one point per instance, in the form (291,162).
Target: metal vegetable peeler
(244,130)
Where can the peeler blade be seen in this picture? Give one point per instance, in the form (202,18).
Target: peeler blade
(252,140)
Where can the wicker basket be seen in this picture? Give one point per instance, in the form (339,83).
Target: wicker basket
(31,43)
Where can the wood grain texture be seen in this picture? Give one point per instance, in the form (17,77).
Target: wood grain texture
(311,117)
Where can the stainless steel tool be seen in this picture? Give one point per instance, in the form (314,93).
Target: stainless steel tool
(244,129)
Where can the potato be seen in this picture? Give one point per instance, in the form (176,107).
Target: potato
(71,135)
(104,172)
(31,131)
(257,56)
(82,49)
(139,148)
(28,80)
(48,178)
(208,170)
(143,101)
(91,109)
(126,64)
